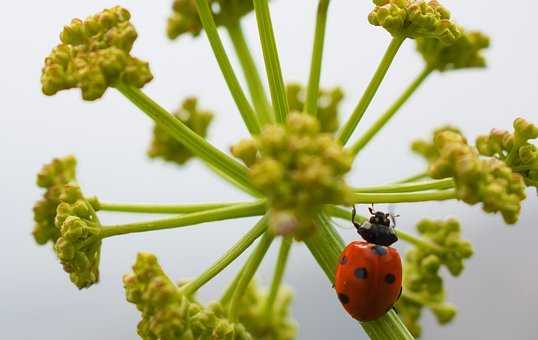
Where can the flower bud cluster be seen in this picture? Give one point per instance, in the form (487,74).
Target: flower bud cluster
(490,181)
(185,19)
(170,315)
(168,148)
(423,284)
(79,244)
(415,19)
(298,168)
(515,149)
(52,178)
(328,105)
(465,52)
(93,55)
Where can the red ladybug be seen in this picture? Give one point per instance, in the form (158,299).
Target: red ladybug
(369,273)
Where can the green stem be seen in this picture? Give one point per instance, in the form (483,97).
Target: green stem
(192,141)
(272,62)
(326,247)
(312,91)
(373,86)
(151,208)
(382,121)
(446,183)
(248,272)
(414,178)
(368,198)
(250,71)
(248,114)
(237,211)
(278,275)
(227,296)
(230,256)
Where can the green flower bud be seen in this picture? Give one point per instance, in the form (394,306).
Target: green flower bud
(444,313)
(298,168)
(415,19)
(328,105)
(168,148)
(93,55)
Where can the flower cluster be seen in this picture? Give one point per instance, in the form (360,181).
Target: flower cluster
(298,168)
(514,149)
(328,105)
(423,286)
(93,55)
(79,244)
(465,52)
(167,313)
(185,19)
(278,325)
(52,177)
(415,19)
(166,147)
(490,181)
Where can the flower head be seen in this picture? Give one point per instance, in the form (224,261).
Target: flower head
(423,285)
(79,245)
(93,55)
(415,19)
(465,52)
(165,147)
(52,178)
(185,19)
(328,105)
(298,168)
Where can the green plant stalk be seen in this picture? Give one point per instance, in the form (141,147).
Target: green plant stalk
(250,71)
(326,246)
(414,178)
(249,189)
(281,262)
(312,91)
(272,62)
(192,141)
(248,272)
(247,112)
(383,120)
(368,198)
(347,130)
(225,260)
(152,208)
(238,211)
(226,297)
(446,183)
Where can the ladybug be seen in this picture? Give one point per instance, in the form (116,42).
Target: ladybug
(369,273)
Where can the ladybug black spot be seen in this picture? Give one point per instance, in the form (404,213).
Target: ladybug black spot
(390,278)
(361,273)
(343,260)
(343,298)
(379,250)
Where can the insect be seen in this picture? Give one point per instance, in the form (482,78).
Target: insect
(369,273)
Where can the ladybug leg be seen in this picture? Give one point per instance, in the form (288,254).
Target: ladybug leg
(393,307)
(353,214)
(371,209)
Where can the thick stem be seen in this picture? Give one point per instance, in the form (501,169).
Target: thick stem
(152,208)
(272,62)
(192,141)
(382,121)
(440,184)
(281,262)
(326,247)
(230,256)
(248,272)
(367,198)
(252,76)
(312,91)
(242,210)
(248,114)
(373,86)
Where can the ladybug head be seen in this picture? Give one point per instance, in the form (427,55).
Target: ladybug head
(379,218)
(378,230)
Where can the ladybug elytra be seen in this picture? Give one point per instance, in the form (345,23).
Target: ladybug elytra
(369,273)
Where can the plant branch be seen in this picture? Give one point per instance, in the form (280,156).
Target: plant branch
(248,114)
(281,262)
(272,62)
(368,198)
(373,86)
(414,178)
(446,183)
(153,208)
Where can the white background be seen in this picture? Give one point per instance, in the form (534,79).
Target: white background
(497,294)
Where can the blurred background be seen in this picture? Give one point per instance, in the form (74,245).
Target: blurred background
(496,295)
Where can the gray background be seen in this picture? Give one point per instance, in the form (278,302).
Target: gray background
(497,294)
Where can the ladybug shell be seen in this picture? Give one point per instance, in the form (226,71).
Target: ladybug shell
(368,279)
